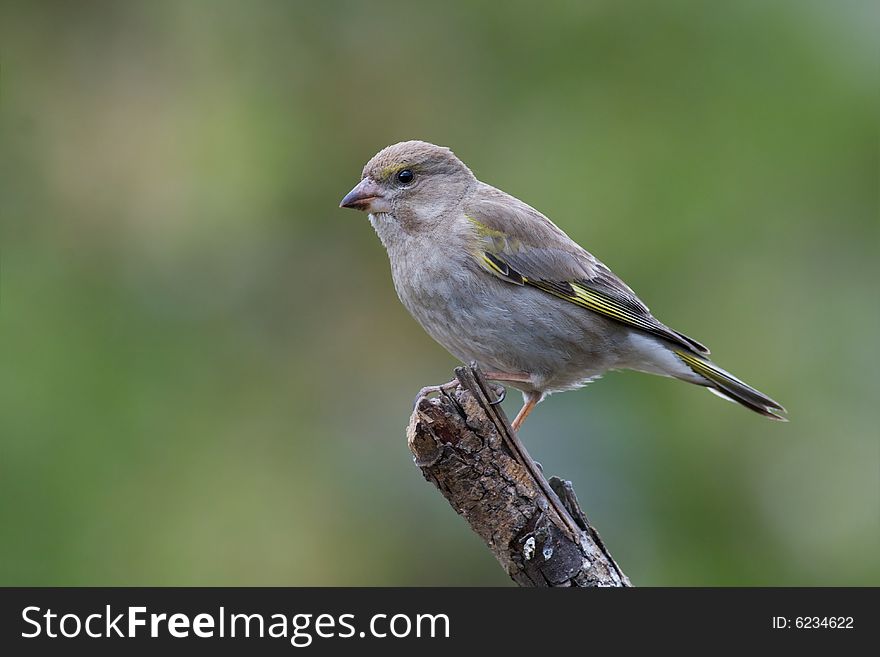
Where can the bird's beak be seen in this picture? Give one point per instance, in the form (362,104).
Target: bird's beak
(367,196)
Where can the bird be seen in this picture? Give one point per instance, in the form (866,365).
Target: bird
(495,282)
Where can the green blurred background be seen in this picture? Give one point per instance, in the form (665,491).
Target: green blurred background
(207,374)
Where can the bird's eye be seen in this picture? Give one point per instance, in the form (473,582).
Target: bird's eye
(405,177)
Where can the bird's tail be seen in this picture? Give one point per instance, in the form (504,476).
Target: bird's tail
(729,387)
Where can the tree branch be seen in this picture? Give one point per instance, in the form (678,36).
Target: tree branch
(463,443)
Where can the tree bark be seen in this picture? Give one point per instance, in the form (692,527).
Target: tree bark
(463,443)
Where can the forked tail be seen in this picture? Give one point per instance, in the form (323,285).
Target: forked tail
(728,386)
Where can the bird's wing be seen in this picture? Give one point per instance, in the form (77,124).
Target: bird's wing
(520,245)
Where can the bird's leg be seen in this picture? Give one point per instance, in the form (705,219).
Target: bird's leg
(517,377)
(529,405)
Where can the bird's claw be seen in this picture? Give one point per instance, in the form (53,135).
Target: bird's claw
(501,393)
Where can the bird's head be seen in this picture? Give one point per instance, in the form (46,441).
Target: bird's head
(413,182)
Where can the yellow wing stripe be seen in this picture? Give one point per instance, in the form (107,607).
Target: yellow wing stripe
(597,303)
(586,297)
(491,265)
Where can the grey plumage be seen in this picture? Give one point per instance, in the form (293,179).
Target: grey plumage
(495,281)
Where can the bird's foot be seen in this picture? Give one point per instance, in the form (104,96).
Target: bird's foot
(431,390)
(500,391)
